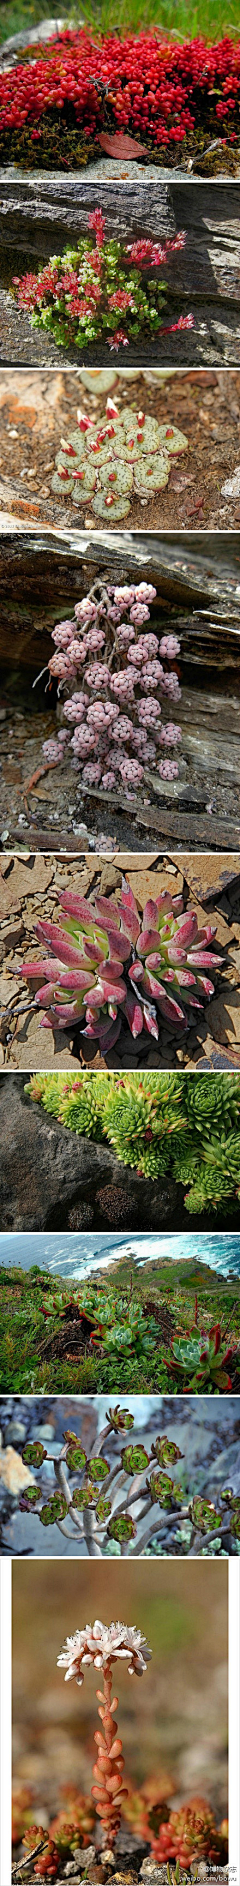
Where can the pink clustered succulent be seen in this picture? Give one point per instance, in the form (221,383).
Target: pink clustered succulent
(115,715)
(106,963)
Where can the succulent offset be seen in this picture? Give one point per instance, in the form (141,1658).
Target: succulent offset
(106,963)
(111,728)
(109,462)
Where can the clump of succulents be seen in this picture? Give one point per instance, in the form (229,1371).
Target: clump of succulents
(106,463)
(101,1502)
(186,1834)
(114,720)
(106,963)
(97,292)
(189,1124)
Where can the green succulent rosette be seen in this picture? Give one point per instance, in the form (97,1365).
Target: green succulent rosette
(120,1419)
(165,1450)
(122,1528)
(98,1468)
(103,1508)
(76,1458)
(204,1515)
(34,1454)
(54,1510)
(134,1459)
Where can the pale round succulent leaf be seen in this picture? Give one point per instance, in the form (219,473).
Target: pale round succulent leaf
(62,486)
(151,475)
(119,507)
(124,475)
(83,487)
(172,440)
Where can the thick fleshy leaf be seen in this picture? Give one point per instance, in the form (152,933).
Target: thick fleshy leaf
(150,1021)
(94,949)
(136,972)
(172,1012)
(193,1003)
(201,960)
(44,968)
(147,941)
(149,920)
(205,984)
(64,1015)
(118,942)
(103,992)
(183,978)
(73,978)
(45,997)
(128,900)
(187,926)
(134,1014)
(111,971)
(107,910)
(151,985)
(76,906)
(130,926)
(50,933)
(164,902)
(177,953)
(154,961)
(206,935)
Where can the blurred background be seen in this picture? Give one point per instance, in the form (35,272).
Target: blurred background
(174,1719)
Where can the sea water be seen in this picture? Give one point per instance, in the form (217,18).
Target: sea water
(75,1255)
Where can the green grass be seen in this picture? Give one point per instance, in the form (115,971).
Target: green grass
(24,1370)
(213,18)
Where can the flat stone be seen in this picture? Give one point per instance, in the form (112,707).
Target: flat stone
(33,874)
(42,32)
(145,884)
(208,875)
(30,1049)
(225,1019)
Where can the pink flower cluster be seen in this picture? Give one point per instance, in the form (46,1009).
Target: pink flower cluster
(116,717)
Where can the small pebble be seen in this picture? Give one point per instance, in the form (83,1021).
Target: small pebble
(15,1431)
(96,1873)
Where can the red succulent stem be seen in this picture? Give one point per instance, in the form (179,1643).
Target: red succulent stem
(108,1790)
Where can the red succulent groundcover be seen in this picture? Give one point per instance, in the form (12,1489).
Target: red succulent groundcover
(142,84)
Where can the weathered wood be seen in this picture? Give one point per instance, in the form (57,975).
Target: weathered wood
(36,206)
(210,711)
(199,569)
(182,826)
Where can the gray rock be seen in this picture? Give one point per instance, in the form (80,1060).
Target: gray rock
(15,1432)
(85,1856)
(43,1433)
(45,1169)
(37,34)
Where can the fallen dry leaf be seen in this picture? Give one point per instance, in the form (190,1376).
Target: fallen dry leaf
(120,146)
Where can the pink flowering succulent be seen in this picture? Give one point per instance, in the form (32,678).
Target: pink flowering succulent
(106,963)
(114,719)
(102,1645)
(85,291)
